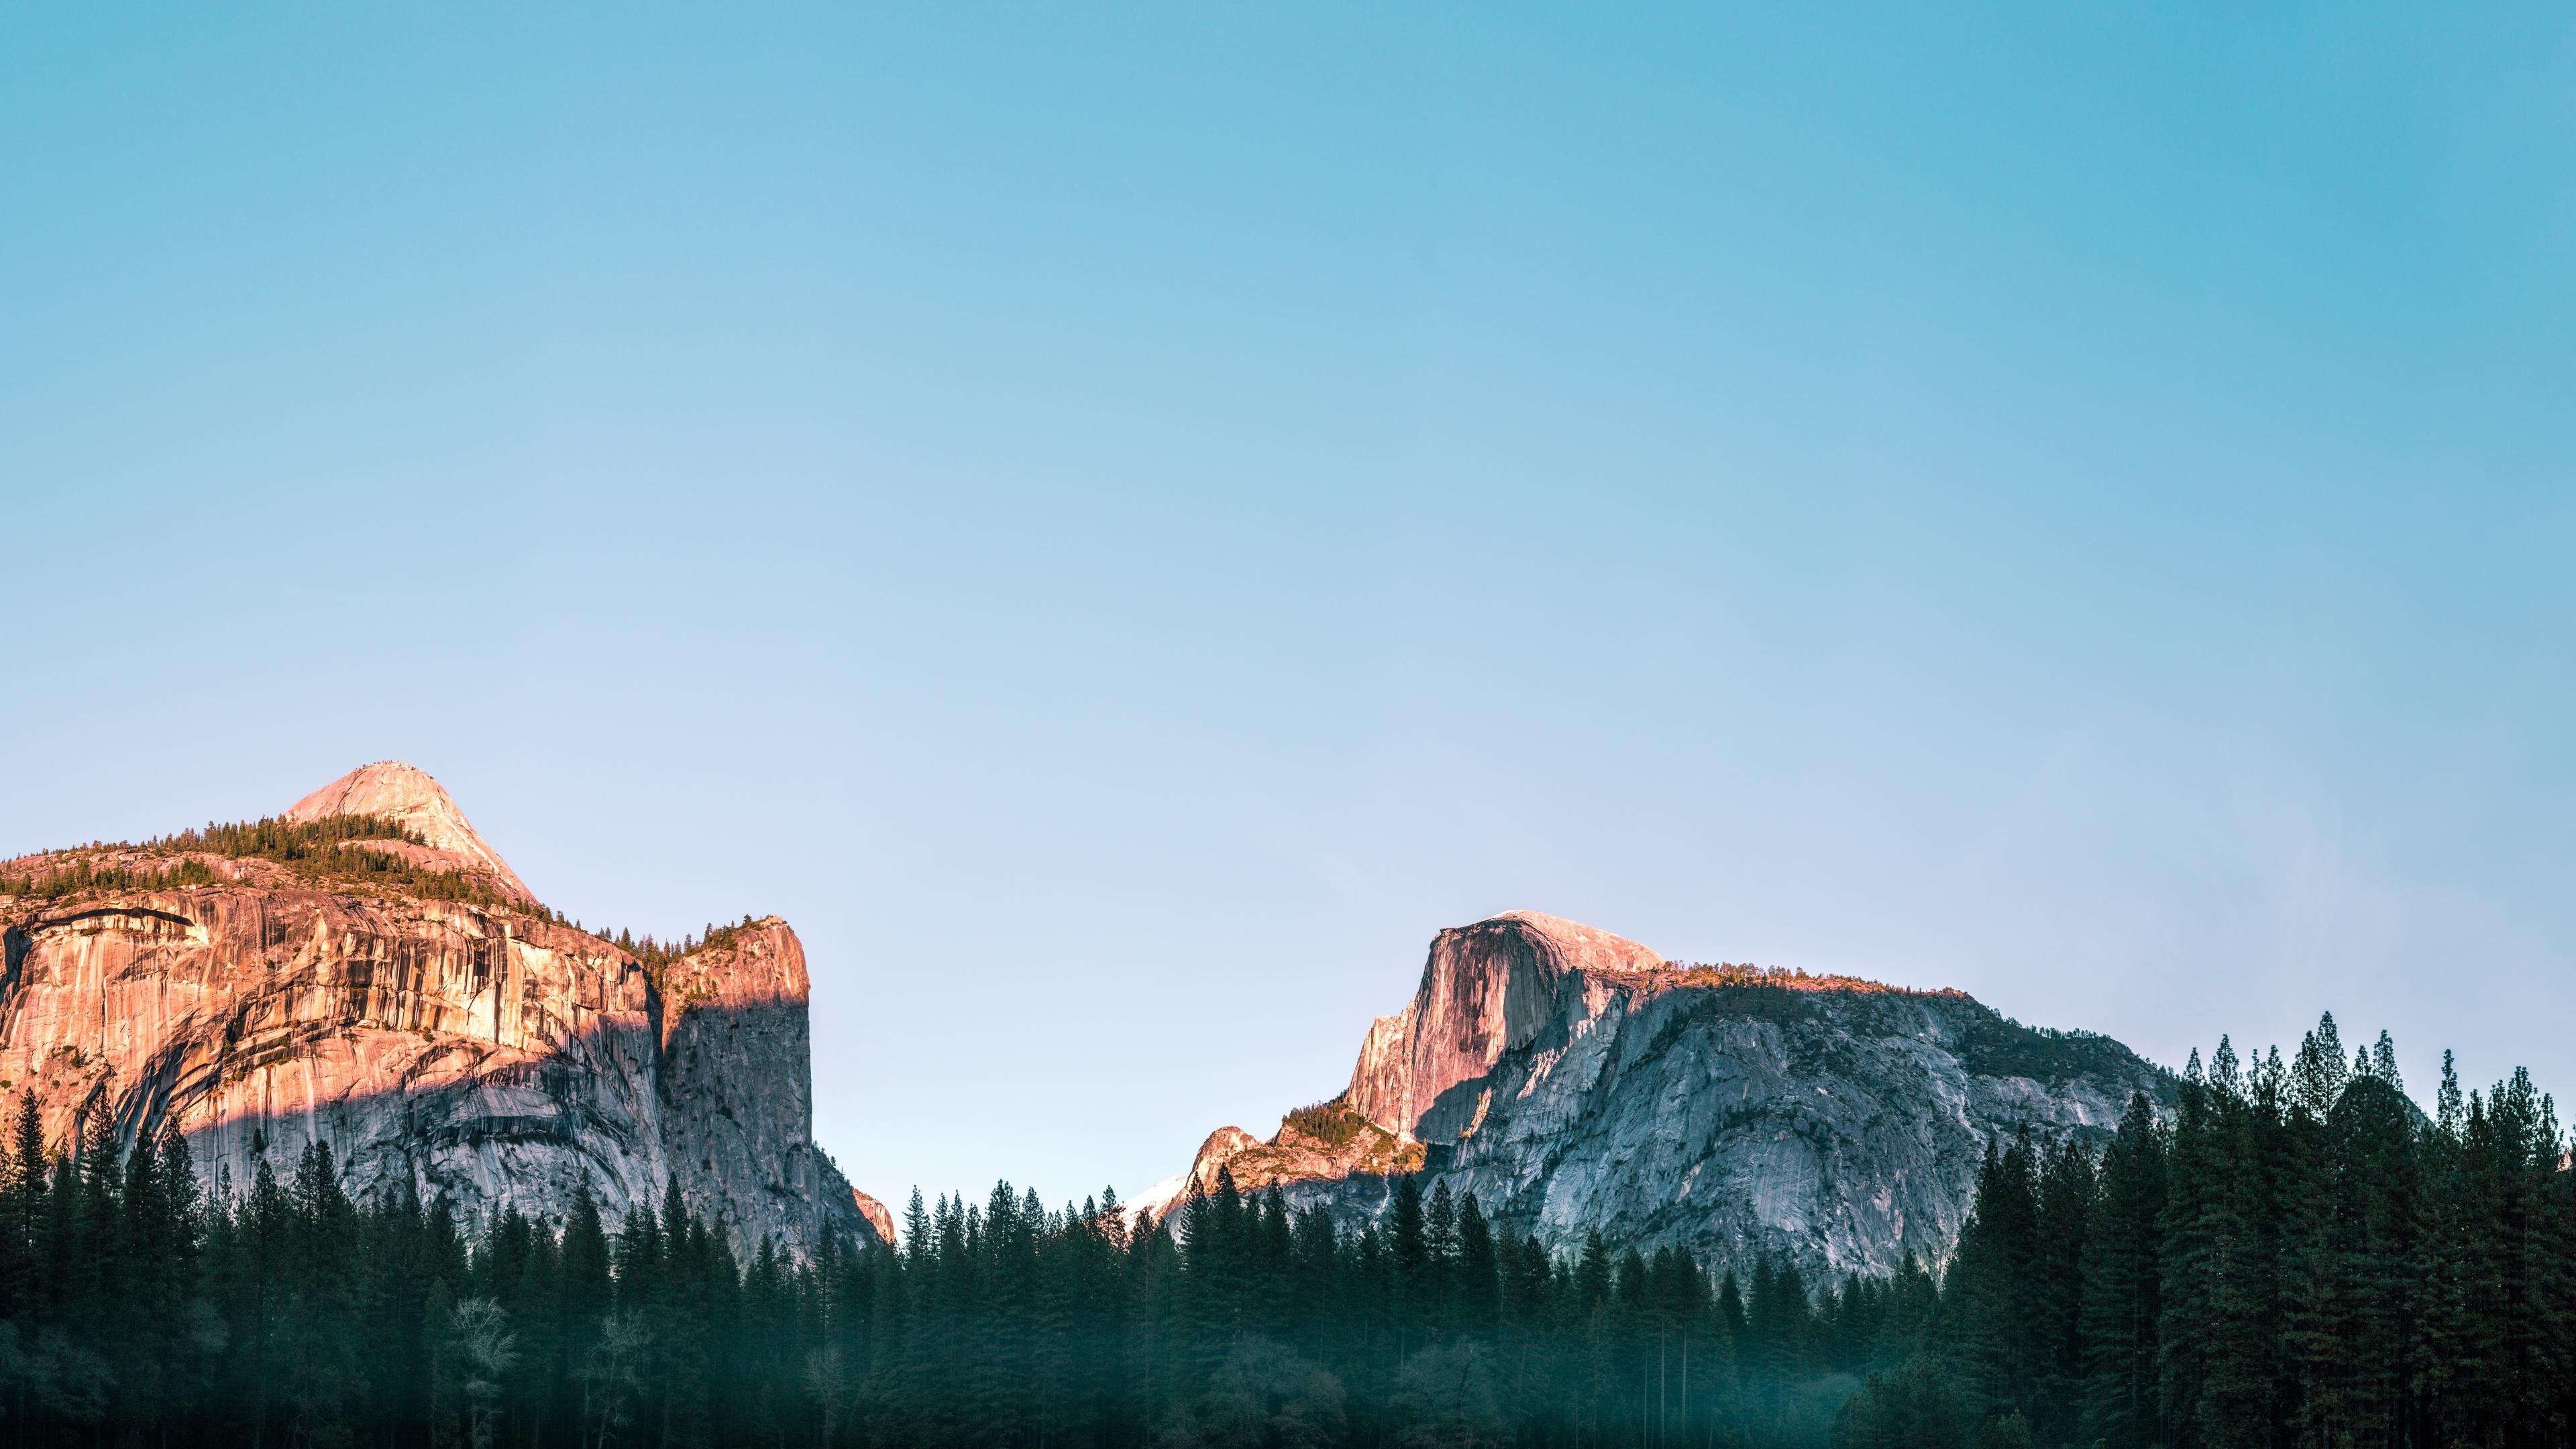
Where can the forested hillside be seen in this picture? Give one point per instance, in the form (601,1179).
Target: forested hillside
(2297,1257)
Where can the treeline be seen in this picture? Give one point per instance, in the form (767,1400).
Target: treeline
(135,1308)
(656,956)
(85,873)
(330,850)
(1238,1321)
(2296,1256)
(138,1306)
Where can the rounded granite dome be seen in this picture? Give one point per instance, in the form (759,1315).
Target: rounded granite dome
(408,796)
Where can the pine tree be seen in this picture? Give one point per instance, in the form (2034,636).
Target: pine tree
(1995,1293)
(22,1190)
(2062,1225)
(322,1368)
(1409,1249)
(1478,1294)
(2120,1309)
(1440,1258)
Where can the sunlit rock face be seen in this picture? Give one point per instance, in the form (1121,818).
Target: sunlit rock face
(1573,1080)
(483,1054)
(875,1214)
(1487,989)
(392,790)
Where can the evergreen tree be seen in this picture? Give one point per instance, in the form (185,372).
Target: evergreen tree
(2120,1314)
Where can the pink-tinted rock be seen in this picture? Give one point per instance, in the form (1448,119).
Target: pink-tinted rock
(484,1054)
(392,790)
(1574,1082)
(875,1213)
(1486,989)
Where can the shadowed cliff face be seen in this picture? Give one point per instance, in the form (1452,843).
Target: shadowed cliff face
(1573,1080)
(737,1123)
(486,1055)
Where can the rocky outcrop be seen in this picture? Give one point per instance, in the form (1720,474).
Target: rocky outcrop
(1323,1144)
(875,1213)
(484,1054)
(1573,1081)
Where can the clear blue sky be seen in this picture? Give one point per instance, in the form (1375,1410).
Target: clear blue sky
(1120,527)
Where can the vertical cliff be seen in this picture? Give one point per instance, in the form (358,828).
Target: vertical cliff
(737,1125)
(1574,1081)
(1486,989)
(404,999)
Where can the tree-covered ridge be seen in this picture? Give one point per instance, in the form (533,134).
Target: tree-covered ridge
(1988,1043)
(1327,1139)
(658,957)
(290,841)
(1331,1123)
(329,851)
(67,875)
(1791,978)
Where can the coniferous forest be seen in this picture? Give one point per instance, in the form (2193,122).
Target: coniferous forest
(2294,1255)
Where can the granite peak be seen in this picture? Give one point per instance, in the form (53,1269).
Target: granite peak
(411,798)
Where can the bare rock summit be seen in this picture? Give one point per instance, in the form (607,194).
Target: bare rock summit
(407,796)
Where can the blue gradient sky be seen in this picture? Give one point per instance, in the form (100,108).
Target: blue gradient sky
(1121,527)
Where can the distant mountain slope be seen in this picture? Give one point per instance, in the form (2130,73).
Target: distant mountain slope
(1575,1080)
(367,970)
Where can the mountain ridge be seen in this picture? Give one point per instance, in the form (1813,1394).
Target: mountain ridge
(1578,1081)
